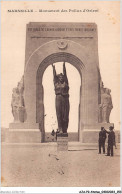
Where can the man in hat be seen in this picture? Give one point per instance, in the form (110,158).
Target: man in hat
(102,138)
(111,141)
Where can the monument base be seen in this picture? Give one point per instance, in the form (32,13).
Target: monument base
(24,133)
(90,133)
(34,133)
(24,137)
(62,142)
(25,125)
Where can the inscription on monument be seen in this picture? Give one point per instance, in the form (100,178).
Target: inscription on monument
(62,142)
(59,29)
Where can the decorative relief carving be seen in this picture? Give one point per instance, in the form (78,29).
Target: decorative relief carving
(62,44)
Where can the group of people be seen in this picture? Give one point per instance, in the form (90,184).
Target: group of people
(111,140)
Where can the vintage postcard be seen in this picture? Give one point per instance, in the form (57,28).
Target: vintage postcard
(60,96)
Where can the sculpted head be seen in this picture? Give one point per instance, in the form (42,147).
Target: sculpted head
(61,78)
(15,90)
(107,91)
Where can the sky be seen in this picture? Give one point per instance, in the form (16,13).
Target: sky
(13,39)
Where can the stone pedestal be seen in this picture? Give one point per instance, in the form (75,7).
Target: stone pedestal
(62,142)
(90,133)
(24,133)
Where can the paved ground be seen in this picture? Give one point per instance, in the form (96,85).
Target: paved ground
(42,166)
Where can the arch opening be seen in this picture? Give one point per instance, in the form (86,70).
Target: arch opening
(50,119)
(41,113)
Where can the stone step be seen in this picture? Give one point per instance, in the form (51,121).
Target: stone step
(71,145)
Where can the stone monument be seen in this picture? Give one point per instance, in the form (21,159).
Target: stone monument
(46,44)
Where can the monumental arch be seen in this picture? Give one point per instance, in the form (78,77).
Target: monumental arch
(47,43)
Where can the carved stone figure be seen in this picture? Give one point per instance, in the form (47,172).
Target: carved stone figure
(106,105)
(20,85)
(101,91)
(110,107)
(62,99)
(17,102)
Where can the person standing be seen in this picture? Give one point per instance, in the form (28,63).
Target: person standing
(111,141)
(102,138)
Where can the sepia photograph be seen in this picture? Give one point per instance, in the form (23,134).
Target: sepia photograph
(60,94)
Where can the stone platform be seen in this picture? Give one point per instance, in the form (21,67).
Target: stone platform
(90,133)
(24,133)
(24,136)
(34,133)
(62,142)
